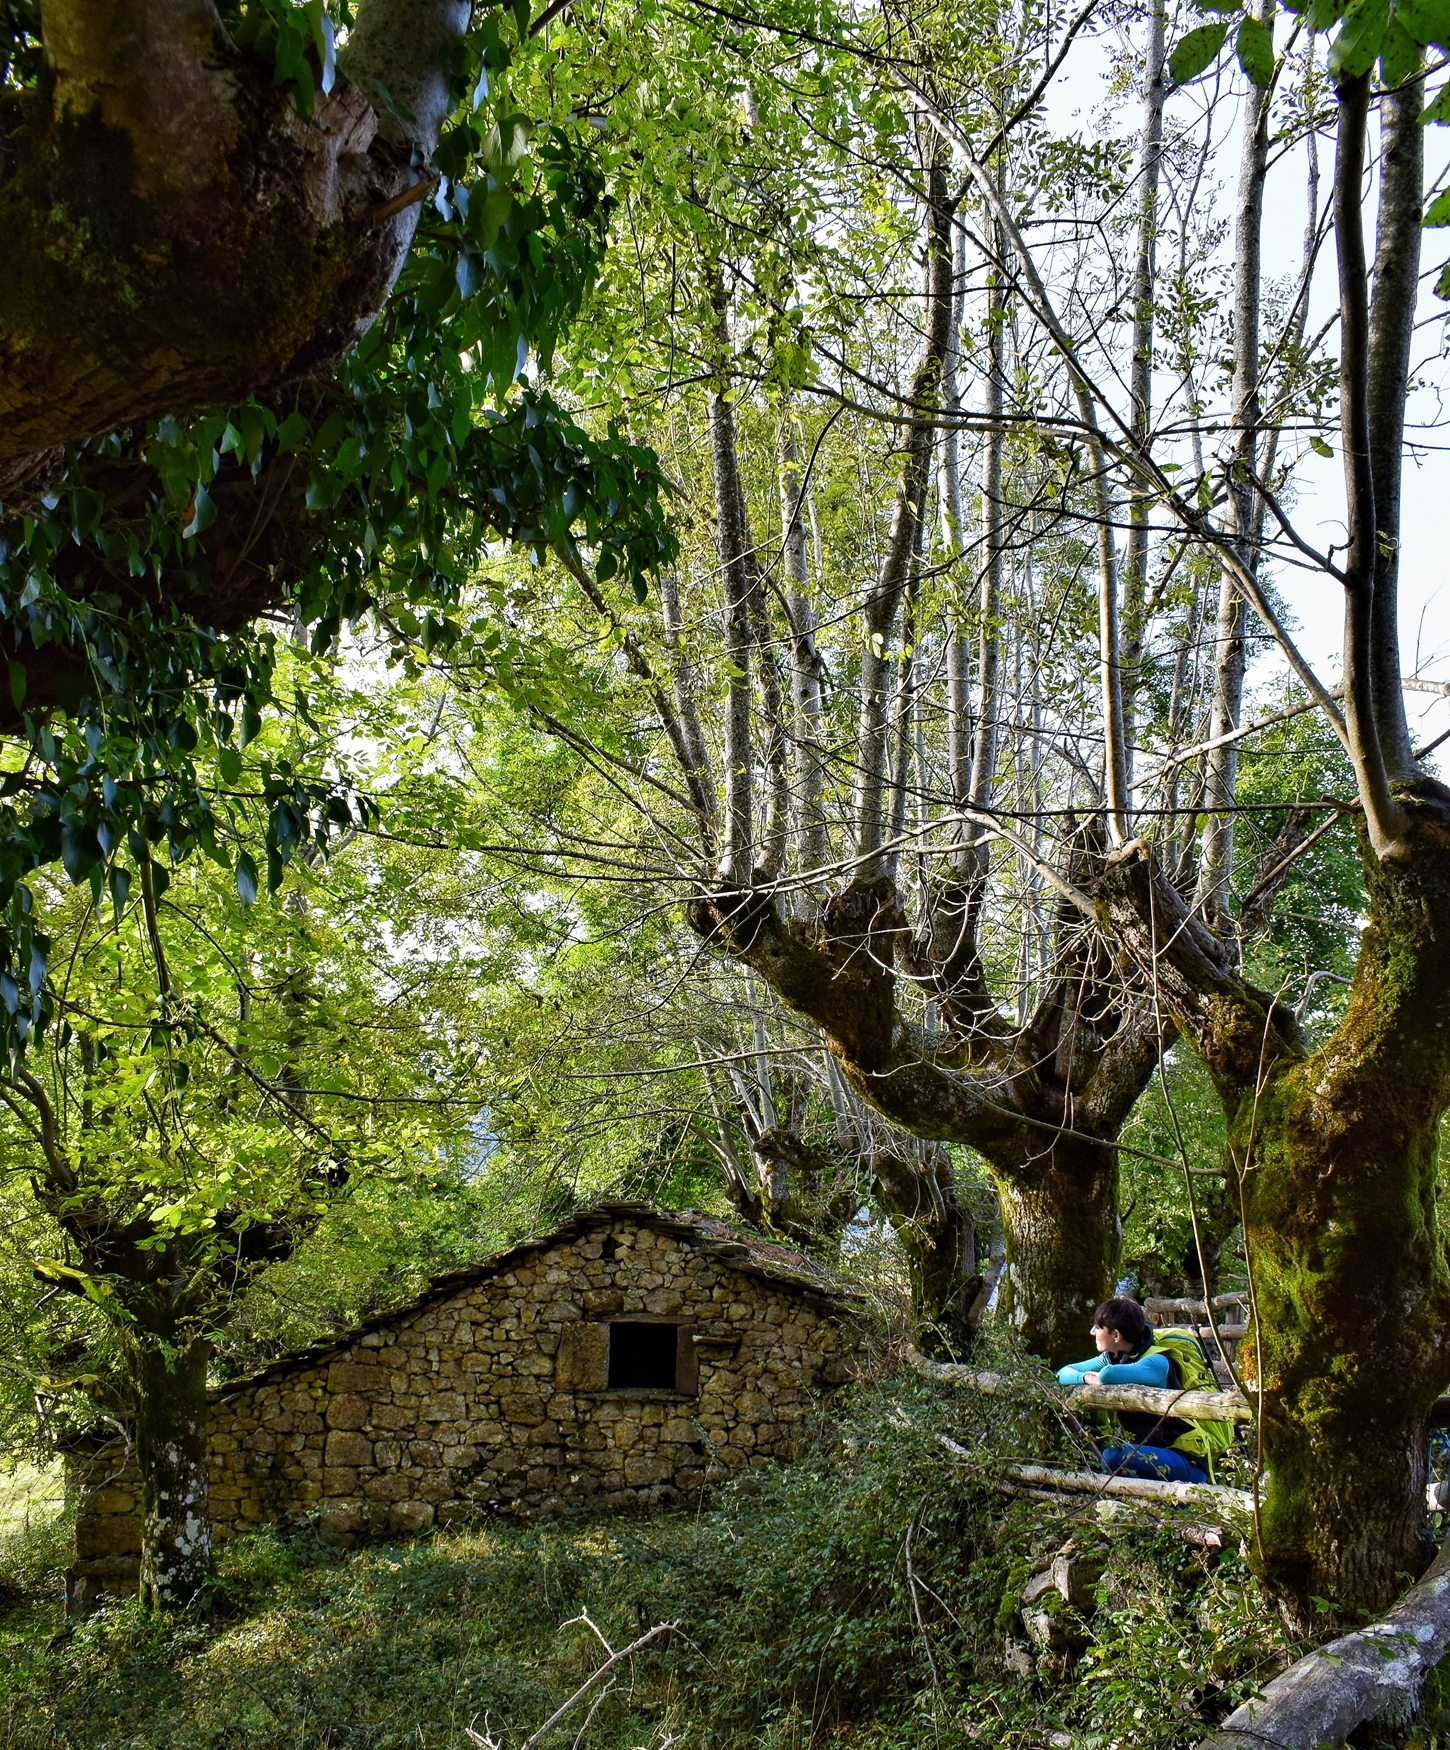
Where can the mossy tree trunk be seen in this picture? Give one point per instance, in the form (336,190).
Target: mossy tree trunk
(1063,1233)
(1334,1158)
(166,1384)
(917,1192)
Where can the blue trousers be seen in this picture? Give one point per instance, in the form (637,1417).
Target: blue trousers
(1160,1464)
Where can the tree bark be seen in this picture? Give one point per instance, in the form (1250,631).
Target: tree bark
(1078,1066)
(1215,868)
(1333,1163)
(1060,1212)
(884,602)
(1363,629)
(167,1387)
(809,827)
(1322,1698)
(1391,333)
(735,568)
(176,232)
(920,1200)
(1135,581)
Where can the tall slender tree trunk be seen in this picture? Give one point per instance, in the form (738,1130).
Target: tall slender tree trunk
(1135,583)
(989,601)
(809,827)
(167,1389)
(949,487)
(884,603)
(738,849)
(1391,333)
(1215,870)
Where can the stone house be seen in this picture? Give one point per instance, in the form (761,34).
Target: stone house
(628,1357)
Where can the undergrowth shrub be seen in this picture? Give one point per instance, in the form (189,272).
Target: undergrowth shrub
(867,1596)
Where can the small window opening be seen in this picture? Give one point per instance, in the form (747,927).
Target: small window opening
(642,1355)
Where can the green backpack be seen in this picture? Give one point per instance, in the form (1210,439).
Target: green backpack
(1204,1439)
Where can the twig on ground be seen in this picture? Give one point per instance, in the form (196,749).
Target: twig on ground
(531,1743)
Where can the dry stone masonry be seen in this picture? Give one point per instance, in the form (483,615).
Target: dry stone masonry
(629,1357)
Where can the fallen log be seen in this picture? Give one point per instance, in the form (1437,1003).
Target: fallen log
(1096,1482)
(1324,1697)
(1188,1406)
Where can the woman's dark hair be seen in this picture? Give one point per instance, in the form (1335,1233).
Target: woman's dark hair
(1125,1317)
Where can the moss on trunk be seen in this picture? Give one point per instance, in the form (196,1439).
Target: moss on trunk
(167,1387)
(1080,1064)
(1353,1294)
(919,1198)
(180,240)
(1063,1235)
(1336,1158)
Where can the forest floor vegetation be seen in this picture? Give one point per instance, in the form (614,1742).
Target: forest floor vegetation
(867,1596)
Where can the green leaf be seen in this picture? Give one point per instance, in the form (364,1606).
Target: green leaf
(1196,51)
(1439,111)
(1320,448)
(1442,285)
(324,40)
(393,107)
(1254,46)
(203,512)
(246,879)
(1438,213)
(1357,46)
(1399,55)
(18,679)
(1323,13)
(291,432)
(229,763)
(80,851)
(1425,21)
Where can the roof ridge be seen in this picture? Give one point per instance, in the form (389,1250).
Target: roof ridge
(765,1258)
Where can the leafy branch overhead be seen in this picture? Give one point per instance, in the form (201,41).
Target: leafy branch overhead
(139,566)
(1396,33)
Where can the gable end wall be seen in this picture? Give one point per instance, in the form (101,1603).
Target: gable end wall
(466,1404)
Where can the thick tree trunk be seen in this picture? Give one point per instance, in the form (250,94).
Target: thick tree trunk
(1060,1212)
(167,1386)
(1334,1158)
(1348,1260)
(176,233)
(919,1198)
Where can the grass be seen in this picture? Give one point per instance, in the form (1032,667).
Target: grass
(861,1598)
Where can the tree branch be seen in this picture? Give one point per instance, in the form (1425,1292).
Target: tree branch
(401,50)
(1384,817)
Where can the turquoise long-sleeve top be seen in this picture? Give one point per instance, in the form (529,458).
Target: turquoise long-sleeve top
(1146,1370)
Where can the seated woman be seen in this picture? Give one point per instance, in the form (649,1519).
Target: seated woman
(1160,1448)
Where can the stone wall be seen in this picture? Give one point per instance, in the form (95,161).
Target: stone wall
(493,1395)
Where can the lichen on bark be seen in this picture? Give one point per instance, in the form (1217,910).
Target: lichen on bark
(166,1385)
